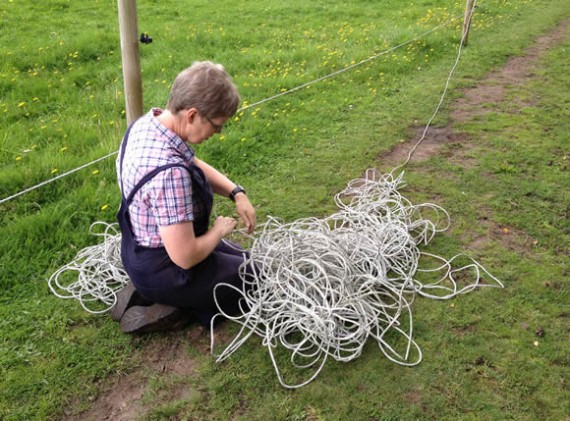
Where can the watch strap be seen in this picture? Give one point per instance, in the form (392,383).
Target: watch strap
(236,190)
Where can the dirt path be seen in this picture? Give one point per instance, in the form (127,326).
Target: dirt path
(475,101)
(120,398)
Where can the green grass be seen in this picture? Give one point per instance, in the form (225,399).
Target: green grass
(62,105)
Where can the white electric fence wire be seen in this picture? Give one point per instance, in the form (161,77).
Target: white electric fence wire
(444,92)
(347,68)
(322,287)
(51,180)
(290,91)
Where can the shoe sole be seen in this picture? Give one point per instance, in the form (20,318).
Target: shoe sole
(154,318)
(124,298)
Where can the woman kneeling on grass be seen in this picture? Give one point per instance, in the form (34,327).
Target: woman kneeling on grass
(173,259)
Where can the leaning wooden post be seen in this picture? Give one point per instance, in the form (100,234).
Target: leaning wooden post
(131,59)
(467,22)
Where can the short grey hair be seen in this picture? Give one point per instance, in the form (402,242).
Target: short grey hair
(206,86)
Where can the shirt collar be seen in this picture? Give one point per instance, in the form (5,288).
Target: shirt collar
(172,138)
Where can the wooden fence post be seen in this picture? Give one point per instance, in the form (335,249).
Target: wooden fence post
(130,59)
(467,21)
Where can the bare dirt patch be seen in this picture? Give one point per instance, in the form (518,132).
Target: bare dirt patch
(166,354)
(436,138)
(120,398)
(510,238)
(479,99)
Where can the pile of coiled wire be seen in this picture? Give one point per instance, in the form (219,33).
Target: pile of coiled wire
(99,272)
(322,287)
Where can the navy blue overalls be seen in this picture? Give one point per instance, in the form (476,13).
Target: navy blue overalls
(160,280)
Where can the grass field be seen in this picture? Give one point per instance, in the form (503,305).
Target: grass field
(490,354)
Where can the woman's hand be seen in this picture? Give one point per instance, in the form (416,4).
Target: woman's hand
(222,185)
(246,211)
(224,225)
(185,249)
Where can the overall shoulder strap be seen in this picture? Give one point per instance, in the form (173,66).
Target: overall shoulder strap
(122,155)
(150,175)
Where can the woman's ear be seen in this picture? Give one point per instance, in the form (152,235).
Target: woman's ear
(191,114)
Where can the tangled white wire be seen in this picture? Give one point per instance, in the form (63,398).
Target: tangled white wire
(322,287)
(100,272)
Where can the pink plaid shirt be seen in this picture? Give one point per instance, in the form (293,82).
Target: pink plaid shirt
(166,199)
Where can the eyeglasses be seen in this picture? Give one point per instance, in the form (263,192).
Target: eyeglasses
(217,127)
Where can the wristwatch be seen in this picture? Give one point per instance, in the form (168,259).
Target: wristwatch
(238,189)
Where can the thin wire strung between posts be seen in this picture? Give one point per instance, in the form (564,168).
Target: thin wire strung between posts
(255,104)
(322,287)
